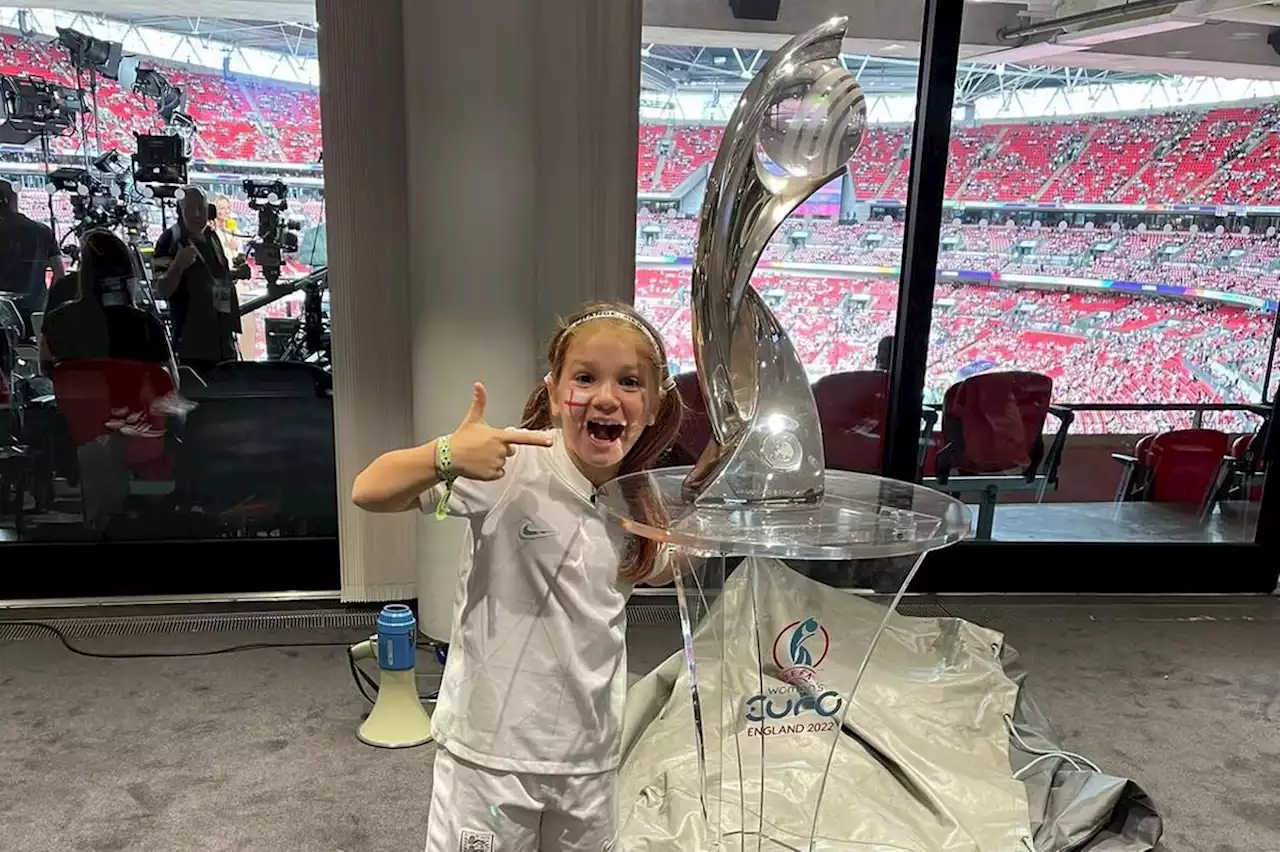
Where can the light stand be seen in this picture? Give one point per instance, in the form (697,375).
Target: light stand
(37,108)
(48,168)
(97,57)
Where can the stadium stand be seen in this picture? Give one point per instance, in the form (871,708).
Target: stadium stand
(1222,155)
(238,120)
(1096,347)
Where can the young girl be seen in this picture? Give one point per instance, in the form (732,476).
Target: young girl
(530,709)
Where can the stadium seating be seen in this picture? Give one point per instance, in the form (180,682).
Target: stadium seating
(238,120)
(1224,155)
(1095,346)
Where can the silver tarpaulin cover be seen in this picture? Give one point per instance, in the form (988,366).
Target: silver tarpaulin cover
(943,747)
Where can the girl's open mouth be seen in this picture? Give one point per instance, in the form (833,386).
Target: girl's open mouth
(604,432)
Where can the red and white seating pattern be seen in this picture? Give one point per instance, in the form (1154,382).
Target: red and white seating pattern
(1097,348)
(1225,155)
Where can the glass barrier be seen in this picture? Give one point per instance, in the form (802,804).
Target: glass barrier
(1102,323)
(175,382)
(1128,259)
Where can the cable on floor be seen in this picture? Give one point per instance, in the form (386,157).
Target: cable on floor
(358,674)
(361,677)
(1078,762)
(155,655)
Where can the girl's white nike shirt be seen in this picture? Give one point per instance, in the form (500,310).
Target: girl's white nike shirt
(537,672)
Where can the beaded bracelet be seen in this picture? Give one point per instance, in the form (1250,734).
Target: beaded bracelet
(444,470)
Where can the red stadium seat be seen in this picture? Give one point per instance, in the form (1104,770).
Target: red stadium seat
(993,423)
(1247,462)
(101,397)
(695,429)
(1183,464)
(853,408)
(993,439)
(1180,466)
(1239,475)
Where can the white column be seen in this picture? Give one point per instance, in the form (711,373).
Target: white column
(521,126)
(588,124)
(362,106)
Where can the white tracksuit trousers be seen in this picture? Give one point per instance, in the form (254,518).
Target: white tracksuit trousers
(474,809)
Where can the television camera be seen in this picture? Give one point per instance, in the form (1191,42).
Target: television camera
(99,196)
(276,235)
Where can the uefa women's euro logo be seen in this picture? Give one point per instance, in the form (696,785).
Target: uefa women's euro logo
(799,649)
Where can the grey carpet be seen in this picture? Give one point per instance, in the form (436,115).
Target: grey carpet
(256,751)
(1189,709)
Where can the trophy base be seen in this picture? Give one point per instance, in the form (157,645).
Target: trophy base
(858,516)
(750,841)
(798,717)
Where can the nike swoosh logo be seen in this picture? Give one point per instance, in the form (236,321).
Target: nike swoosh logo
(529,531)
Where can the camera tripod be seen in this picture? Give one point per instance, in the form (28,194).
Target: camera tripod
(311,341)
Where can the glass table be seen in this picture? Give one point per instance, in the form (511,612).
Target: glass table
(770,676)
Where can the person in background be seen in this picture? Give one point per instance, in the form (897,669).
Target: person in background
(27,251)
(884,353)
(102,320)
(195,277)
(83,337)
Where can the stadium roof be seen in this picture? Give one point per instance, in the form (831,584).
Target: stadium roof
(293,11)
(699,43)
(666,67)
(292,39)
(281,26)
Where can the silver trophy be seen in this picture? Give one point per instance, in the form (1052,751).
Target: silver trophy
(794,129)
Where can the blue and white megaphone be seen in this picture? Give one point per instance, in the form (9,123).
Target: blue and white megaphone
(398,719)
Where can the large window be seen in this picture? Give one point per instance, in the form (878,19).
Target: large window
(1119,265)
(1105,297)
(174,384)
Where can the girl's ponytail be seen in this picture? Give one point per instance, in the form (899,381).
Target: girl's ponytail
(537,409)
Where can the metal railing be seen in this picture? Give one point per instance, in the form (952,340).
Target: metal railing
(1198,409)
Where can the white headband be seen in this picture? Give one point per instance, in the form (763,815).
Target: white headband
(668,382)
(616,315)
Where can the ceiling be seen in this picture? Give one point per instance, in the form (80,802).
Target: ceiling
(1221,38)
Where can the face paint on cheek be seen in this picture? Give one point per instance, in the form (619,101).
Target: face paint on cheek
(576,401)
